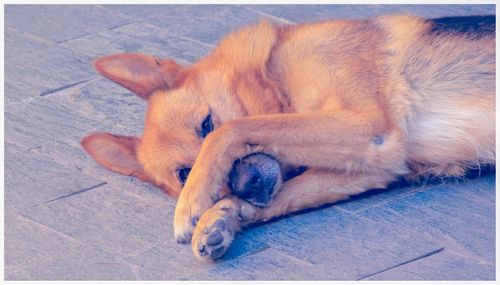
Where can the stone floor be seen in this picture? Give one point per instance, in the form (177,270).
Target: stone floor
(68,218)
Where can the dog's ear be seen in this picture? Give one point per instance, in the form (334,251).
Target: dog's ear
(116,153)
(250,46)
(140,73)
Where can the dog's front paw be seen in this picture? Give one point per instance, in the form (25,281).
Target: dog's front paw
(213,240)
(215,231)
(183,224)
(187,215)
(205,185)
(183,234)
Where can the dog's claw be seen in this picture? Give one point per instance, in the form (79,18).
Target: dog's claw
(181,240)
(201,250)
(183,236)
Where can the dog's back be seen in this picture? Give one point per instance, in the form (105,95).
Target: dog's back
(434,78)
(446,70)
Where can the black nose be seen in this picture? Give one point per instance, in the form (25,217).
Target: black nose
(255,178)
(246,180)
(254,181)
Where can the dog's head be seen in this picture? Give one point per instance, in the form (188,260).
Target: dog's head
(185,104)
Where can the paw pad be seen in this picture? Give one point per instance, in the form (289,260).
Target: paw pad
(220,224)
(214,238)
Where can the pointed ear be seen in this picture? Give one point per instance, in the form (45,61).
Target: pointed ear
(140,73)
(116,153)
(251,45)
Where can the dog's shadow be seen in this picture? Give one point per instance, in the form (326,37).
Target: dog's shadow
(242,246)
(401,183)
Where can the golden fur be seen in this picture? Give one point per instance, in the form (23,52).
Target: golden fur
(359,102)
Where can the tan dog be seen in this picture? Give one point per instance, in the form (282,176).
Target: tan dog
(358,102)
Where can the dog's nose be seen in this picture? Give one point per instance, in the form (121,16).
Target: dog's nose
(253,182)
(255,178)
(246,181)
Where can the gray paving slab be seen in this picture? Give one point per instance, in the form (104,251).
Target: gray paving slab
(331,242)
(28,243)
(61,22)
(103,102)
(70,155)
(206,23)
(166,260)
(35,251)
(33,179)
(377,197)
(308,13)
(43,121)
(44,71)
(9,91)
(140,38)
(17,43)
(86,264)
(269,264)
(458,216)
(446,265)
(16,273)
(106,217)
(68,218)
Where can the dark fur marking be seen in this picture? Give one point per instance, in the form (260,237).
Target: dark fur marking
(378,140)
(472,26)
(294,173)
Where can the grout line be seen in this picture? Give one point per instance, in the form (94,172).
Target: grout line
(71,194)
(404,263)
(30,35)
(179,35)
(21,102)
(283,20)
(136,20)
(119,26)
(117,12)
(52,91)
(391,199)
(119,259)
(43,226)
(75,38)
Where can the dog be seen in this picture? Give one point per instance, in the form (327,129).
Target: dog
(350,105)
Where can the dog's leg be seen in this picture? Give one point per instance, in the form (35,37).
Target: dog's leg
(352,140)
(218,225)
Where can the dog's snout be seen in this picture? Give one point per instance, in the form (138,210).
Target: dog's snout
(255,181)
(252,182)
(245,180)
(256,178)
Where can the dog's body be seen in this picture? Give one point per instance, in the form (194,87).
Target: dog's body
(357,102)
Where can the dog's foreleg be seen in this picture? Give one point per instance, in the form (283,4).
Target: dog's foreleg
(362,141)
(218,225)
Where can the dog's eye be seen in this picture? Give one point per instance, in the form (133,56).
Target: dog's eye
(182,174)
(206,126)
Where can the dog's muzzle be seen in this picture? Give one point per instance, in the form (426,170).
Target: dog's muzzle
(258,177)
